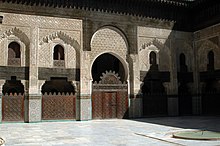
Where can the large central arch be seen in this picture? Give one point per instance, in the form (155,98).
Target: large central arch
(109,61)
(110,90)
(109,72)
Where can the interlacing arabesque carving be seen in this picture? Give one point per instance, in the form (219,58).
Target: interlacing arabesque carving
(17,32)
(155,42)
(61,35)
(110,77)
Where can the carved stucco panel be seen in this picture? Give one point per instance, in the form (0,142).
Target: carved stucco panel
(42,21)
(45,55)
(3,55)
(162,51)
(49,34)
(22,32)
(50,38)
(186,48)
(20,35)
(108,40)
(71,57)
(203,48)
(153,32)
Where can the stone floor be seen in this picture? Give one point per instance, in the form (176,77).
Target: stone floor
(145,131)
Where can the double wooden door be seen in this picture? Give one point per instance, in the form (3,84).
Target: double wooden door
(109,105)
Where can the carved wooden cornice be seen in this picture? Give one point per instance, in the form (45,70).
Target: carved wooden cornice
(188,15)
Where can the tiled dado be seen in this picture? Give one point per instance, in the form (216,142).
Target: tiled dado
(85,107)
(34,108)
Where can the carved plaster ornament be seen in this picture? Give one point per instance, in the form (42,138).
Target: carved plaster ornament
(16,32)
(66,38)
(110,77)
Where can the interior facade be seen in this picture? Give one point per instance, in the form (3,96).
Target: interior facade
(94,59)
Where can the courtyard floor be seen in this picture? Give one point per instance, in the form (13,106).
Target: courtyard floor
(145,132)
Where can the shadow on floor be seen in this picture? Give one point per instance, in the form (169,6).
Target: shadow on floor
(209,123)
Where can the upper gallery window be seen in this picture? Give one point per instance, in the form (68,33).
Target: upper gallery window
(211,60)
(183,66)
(58,56)
(14,54)
(58,53)
(153,58)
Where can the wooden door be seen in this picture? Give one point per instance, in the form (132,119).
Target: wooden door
(109,105)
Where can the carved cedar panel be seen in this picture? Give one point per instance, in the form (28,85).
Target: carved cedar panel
(13,107)
(56,107)
(109,98)
(97,105)
(122,105)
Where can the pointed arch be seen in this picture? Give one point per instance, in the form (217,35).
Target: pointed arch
(18,33)
(206,44)
(163,55)
(204,48)
(63,36)
(186,49)
(110,39)
(121,60)
(157,43)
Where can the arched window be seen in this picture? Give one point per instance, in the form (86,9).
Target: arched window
(58,53)
(153,58)
(211,60)
(58,56)
(14,54)
(183,66)
(14,50)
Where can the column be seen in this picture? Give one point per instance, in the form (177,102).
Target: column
(172,87)
(85,87)
(196,98)
(34,95)
(76,85)
(26,108)
(2,82)
(136,105)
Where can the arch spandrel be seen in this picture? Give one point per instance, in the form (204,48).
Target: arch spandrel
(108,39)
